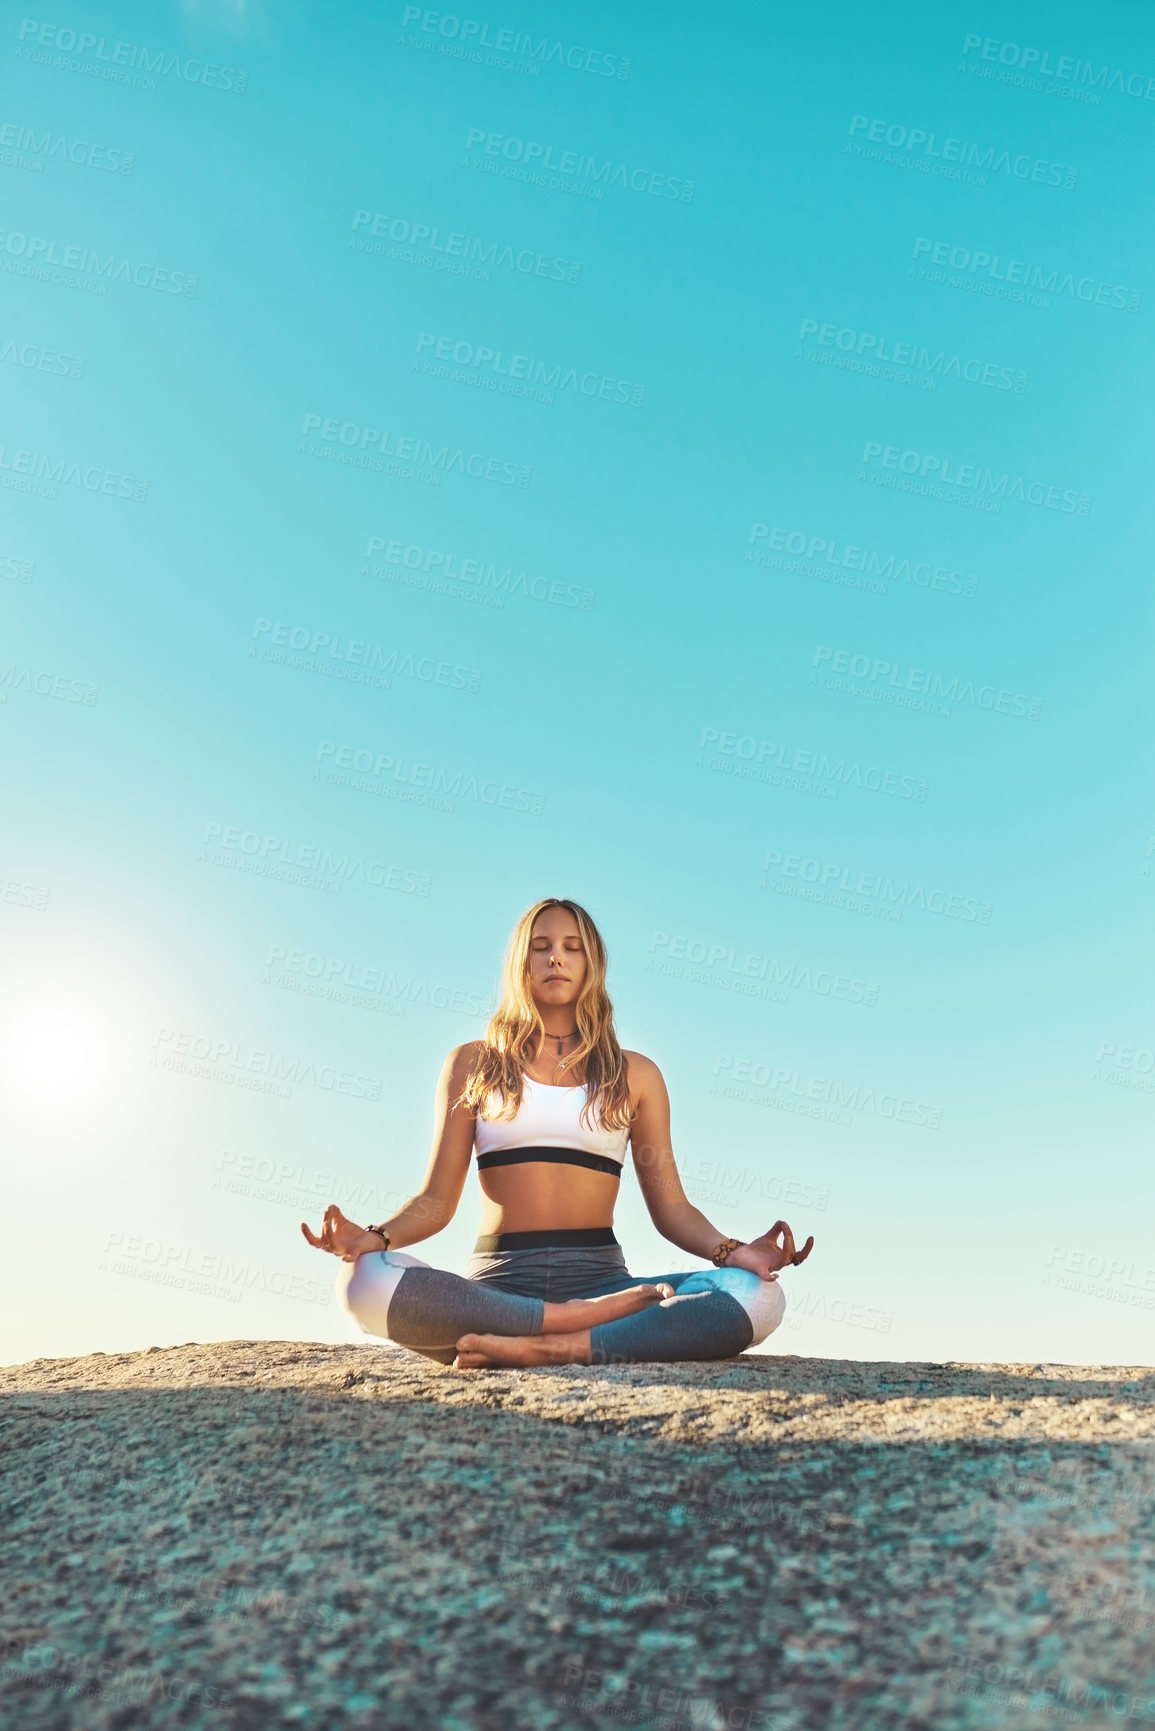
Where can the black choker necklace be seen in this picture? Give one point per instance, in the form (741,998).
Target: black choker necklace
(560,1037)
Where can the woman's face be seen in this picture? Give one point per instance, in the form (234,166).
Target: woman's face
(557,959)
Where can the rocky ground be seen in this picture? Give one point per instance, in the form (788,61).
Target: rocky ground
(265,1534)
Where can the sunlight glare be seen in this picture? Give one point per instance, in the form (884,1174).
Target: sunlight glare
(62,1051)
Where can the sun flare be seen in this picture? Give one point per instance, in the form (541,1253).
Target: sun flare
(62,1051)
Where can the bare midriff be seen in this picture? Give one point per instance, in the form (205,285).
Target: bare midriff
(546,1198)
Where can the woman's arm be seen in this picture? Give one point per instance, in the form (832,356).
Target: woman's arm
(670,1208)
(435,1204)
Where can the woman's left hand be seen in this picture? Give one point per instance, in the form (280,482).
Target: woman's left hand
(766,1255)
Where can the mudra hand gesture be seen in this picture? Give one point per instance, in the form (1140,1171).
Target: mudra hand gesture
(341,1237)
(774,1250)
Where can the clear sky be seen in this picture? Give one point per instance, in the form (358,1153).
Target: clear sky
(697,463)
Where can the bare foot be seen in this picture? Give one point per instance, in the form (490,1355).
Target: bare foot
(582,1313)
(483,1351)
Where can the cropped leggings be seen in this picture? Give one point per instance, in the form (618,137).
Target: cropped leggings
(714,1313)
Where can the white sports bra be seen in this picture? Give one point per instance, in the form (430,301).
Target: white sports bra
(548,1127)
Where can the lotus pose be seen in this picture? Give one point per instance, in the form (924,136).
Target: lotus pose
(549,1101)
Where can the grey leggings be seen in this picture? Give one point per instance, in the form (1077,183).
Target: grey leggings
(715,1312)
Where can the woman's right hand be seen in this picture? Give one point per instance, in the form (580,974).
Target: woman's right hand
(342,1237)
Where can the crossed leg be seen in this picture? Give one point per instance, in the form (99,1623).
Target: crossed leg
(711,1314)
(429,1310)
(714,1313)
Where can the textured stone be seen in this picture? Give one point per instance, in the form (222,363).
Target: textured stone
(258,1533)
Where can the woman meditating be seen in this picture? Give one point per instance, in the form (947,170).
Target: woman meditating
(550,1101)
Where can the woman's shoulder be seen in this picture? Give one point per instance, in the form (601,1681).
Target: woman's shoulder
(642,1071)
(461,1059)
(466,1052)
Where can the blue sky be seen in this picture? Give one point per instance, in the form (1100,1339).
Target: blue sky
(396,532)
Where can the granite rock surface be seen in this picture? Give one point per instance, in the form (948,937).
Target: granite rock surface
(266,1534)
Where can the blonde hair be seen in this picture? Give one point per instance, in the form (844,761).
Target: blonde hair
(516,1029)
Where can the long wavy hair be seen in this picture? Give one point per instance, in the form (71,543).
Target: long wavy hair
(494,1085)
